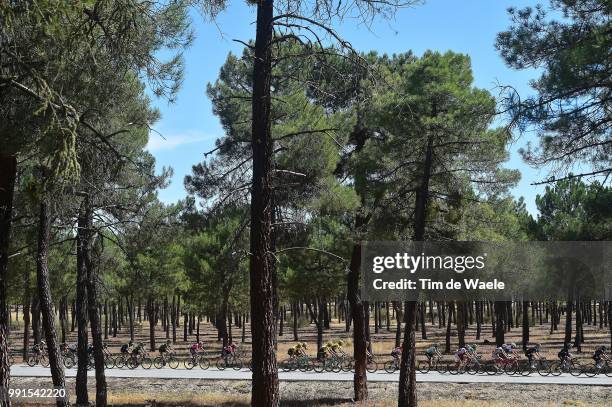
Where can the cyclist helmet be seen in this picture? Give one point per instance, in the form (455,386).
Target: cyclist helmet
(340,342)
(304,345)
(435,345)
(473,346)
(513,345)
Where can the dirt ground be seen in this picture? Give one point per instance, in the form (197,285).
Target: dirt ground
(200,392)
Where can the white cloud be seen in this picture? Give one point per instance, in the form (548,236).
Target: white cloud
(171,141)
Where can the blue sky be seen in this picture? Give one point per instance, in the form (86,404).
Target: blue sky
(467,26)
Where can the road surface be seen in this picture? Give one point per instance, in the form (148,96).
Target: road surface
(245,374)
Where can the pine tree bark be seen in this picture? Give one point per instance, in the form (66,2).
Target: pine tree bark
(46,303)
(92,303)
(265,390)
(26,313)
(525,324)
(360,379)
(500,311)
(8,173)
(81,306)
(407,382)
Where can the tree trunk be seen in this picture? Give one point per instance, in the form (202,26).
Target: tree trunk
(500,310)
(151,316)
(525,324)
(94,315)
(265,391)
(26,314)
(8,173)
(360,380)
(46,304)
(295,322)
(407,383)
(568,320)
(407,396)
(83,253)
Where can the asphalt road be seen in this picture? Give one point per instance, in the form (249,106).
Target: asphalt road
(245,374)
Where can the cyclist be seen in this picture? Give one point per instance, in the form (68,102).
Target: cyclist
(195,348)
(396,353)
(229,350)
(532,352)
(127,347)
(39,348)
(460,356)
(164,349)
(597,356)
(336,349)
(431,352)
(506,351)
(139,349)
(323,352)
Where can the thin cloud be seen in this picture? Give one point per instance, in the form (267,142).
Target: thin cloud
(171,141)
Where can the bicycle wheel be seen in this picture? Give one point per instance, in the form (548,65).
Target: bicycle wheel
(390,366)
(146,363)
(236,364)
(511,368)
(68,362)
(221,364)
(44,361)
(543,368)
(473,368)
(555,369)
(423,366)
(575,369)
(189,363)
(336,366)
(441,367)
(607,369)
(120,362)
(453,368)
(346,364)
(372,367)
(32,360)
(304,365)
(109,362)
(173,362)
(286,366)
(204,363)
(492,369)
(319,366)
(158,362)
(132,363)
(591,370)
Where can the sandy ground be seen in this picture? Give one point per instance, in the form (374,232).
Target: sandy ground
(196,392)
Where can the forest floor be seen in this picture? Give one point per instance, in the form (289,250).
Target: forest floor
(197,392)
